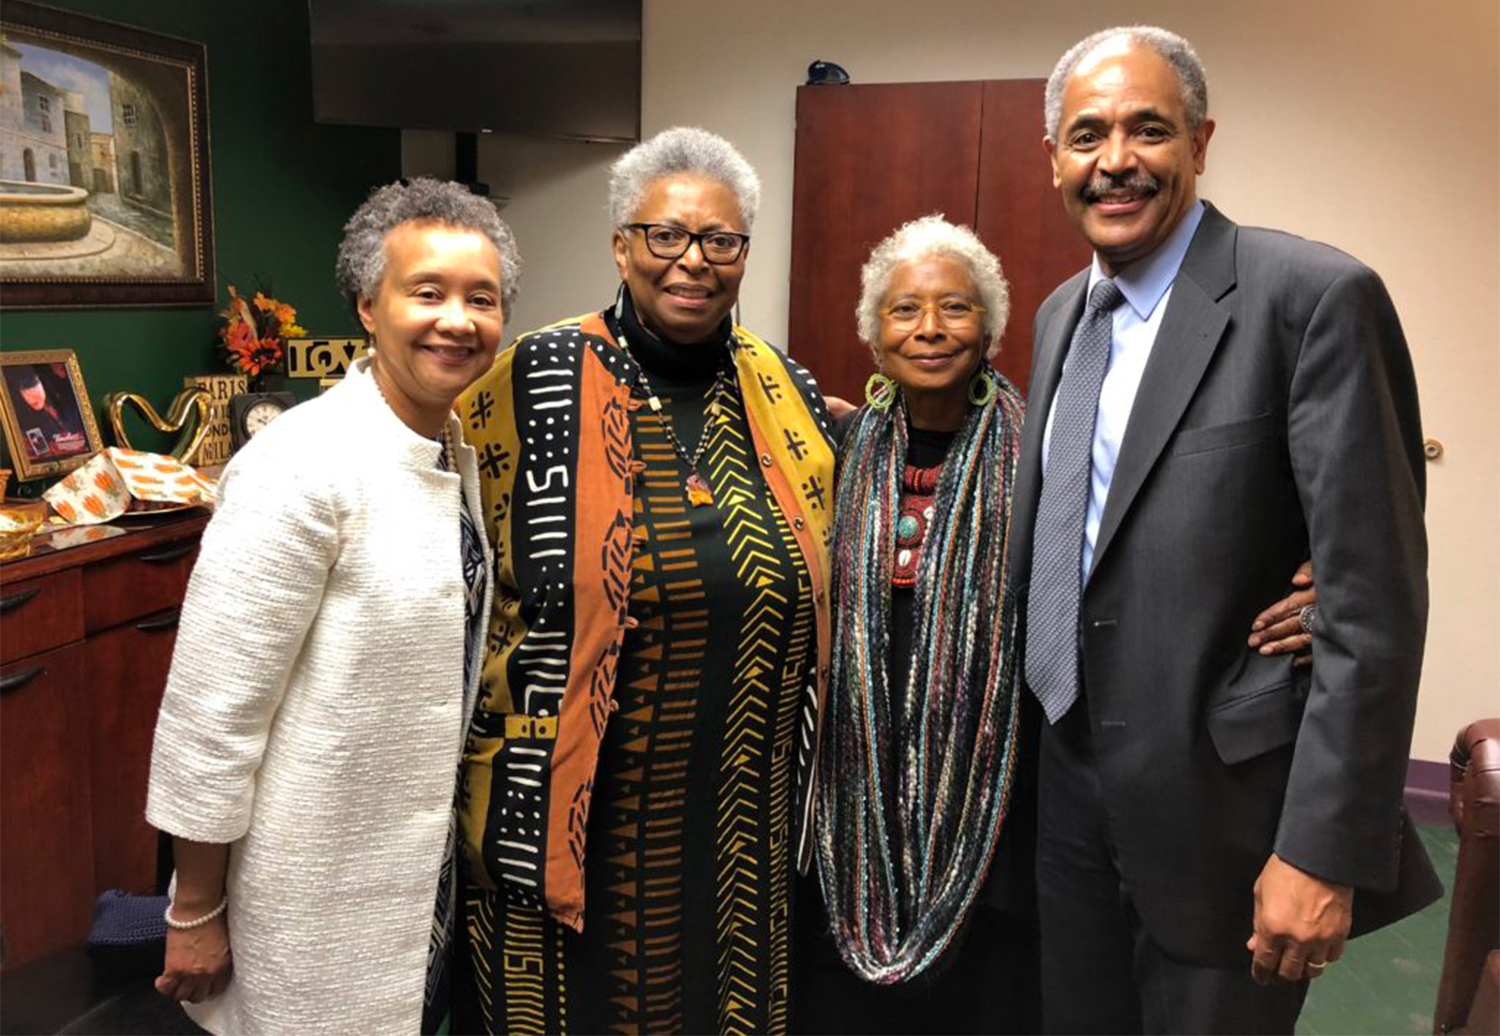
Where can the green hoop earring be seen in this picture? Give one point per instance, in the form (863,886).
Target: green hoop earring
(880,391)
(981,389)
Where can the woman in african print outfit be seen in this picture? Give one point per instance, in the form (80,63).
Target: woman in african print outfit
(657,487)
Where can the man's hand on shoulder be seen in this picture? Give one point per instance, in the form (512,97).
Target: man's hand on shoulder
(838,406)
(1301,923)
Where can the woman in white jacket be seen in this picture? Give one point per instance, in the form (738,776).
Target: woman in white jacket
(328,655)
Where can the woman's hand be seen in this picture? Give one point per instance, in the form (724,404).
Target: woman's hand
(198,959)
(199,963)
(1278,630)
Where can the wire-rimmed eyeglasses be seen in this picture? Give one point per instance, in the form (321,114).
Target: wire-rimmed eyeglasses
(665,241)
(950,312)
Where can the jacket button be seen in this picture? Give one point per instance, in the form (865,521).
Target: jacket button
(765,460)
(798,523)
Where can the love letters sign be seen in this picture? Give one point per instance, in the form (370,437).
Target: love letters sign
(322,358)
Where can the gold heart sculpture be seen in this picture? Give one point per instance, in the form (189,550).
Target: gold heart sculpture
(188,401)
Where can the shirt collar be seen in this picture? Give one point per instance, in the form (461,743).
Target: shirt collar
(1145,281)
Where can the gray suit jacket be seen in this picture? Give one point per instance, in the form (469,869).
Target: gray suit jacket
(1277,419)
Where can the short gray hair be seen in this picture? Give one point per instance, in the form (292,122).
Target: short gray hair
(1175,50)
(361,259)
(681,151)
(926,238)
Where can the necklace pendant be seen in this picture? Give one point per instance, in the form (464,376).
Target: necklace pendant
(698,493)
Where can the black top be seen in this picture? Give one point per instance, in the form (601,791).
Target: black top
(924,450)
(693,363)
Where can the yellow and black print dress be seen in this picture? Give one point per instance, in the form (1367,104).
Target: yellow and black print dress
(708,697)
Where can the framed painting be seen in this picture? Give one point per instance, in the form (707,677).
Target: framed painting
(49,422)
(105,196)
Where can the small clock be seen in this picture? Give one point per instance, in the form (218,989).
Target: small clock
(249,412)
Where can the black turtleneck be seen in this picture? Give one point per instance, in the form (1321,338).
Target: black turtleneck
(678,364)
(681,375)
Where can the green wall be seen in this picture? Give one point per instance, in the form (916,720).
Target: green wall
(282,189)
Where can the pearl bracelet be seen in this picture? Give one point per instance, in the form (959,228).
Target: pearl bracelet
(183,926)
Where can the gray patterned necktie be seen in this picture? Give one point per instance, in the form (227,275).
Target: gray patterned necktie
(1057,544)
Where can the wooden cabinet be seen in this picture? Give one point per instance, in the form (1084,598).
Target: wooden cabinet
(872,156)
(86,635)
(37,614)
(128,670)
(46,827)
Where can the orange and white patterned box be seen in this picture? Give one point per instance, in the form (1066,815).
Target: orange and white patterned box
(108,485)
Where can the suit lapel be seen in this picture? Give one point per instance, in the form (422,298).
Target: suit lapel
(1046,371)
(1190,333)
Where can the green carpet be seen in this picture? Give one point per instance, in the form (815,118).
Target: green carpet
(1387,981)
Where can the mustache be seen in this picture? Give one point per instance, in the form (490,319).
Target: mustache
(1143,184)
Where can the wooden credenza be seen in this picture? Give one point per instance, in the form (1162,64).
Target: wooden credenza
(86,635)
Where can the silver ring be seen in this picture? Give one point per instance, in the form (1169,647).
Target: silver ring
(1316,967)
(1306,616)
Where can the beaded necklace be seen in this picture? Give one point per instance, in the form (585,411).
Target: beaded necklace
(698,492)
(910,807)
(917,511)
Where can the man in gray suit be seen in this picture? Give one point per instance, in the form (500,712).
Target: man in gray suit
(1209,405)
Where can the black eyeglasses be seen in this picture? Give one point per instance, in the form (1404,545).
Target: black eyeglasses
(720,247)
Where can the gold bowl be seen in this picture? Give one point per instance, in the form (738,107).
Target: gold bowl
(17,527)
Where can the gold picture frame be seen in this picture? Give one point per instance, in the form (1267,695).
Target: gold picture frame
(44,407)
(105,190)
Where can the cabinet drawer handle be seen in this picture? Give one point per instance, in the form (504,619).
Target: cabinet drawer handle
(16,600)
(16,680)
(170,554)
(165,620)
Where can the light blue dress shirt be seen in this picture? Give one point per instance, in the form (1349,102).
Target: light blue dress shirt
(1146,285)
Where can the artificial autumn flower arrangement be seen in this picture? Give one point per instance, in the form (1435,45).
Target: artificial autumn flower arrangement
(255,332)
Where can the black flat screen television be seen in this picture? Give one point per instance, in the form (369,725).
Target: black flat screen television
(552,68)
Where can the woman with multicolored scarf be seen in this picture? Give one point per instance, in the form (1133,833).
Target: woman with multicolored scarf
(923,717)
(657,485)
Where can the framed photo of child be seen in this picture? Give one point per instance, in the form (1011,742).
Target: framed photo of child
(44,407)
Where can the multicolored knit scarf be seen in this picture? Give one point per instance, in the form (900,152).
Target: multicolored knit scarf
(915,784)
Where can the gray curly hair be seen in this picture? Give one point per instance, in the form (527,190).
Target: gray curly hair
(1175,50)
(926,238)
(678,151)
(361,259)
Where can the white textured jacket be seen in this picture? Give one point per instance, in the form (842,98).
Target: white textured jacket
(316,710)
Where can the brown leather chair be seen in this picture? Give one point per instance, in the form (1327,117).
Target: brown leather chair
(1469,994)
